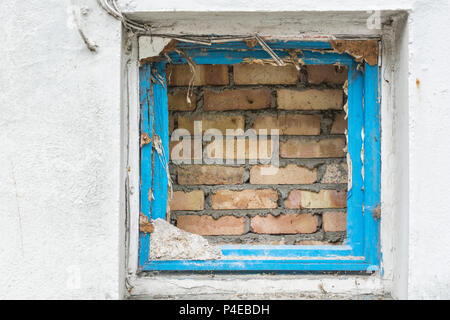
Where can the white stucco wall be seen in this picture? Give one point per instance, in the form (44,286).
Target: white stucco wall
(60,153)
(429,168)
(62,136)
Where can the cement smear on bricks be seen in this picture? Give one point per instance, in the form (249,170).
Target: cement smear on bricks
(170,243)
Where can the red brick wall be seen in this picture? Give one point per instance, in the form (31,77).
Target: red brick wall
(305,201)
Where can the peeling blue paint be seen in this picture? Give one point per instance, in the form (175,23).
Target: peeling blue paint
(146,103)
(361,251)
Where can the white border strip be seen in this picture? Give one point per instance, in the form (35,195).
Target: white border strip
(133,157)
(317,286)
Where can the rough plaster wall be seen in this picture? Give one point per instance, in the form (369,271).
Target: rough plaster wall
(429,171)
(262,6)
(60,153)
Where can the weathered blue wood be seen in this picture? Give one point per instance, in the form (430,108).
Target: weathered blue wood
(146,103)
(286,251)
(361,252)
(355,196)
(233,57)
(260,265)
(240,45)
(161,125)
(372,164)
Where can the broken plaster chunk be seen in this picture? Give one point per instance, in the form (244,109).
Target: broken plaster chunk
(152,47)
(168,242)
(144,224)
(361,50)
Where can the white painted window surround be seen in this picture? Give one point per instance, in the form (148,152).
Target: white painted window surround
(289,25)
(69,145)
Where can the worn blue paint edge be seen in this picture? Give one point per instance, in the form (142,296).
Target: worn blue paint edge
(160,183)
(372,164)
(234,57)
(355,196)
(241,45)
(286,251)
(146,104)
(259,265)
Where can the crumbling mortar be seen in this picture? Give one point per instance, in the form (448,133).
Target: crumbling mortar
(334,237)
(321,172)
(255,238)
(247,225)
(216,214)
(317,138)
(208,200)
(273,99)
(251,115)
(303,78)
(303,84)
(283,189)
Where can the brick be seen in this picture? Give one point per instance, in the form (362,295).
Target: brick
(245,199)
(339,125)
(289,124)
(329,74)
(291,174)
(180,153)
(310,99)
(178,102)
(212,121)
(299,199)
(284,224)
(334,221)
(208,226)
(265,74)
(210,175)
(311,148)
(252,149)
(180,75)
(237,99)
(335,173)
(193,200)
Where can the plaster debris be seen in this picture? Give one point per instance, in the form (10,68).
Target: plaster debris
(170,243)
(322,289)
(145,139)
(350,168)
(361,50)
(251,43)
(345,88)
(144,224)
(191,65)
(269,50)
(152,48)
(286,61)
(295,60)
(377,212)
(349,159)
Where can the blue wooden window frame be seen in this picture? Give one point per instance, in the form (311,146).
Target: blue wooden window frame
(361,252)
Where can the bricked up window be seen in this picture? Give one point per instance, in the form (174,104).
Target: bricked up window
(266,164)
